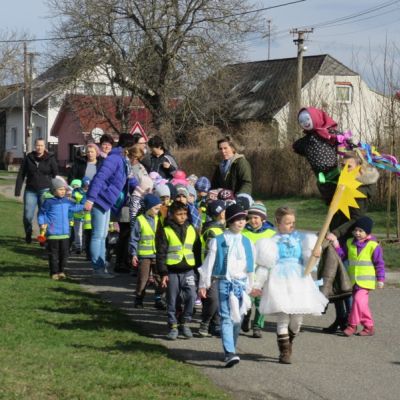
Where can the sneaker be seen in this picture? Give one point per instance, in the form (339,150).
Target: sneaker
(61,275)
(186,331)
(102,274)
(367,331)
(55,277)
(203,330)
(173,333)
(350,330)
(231,359)
(160,305)
(257,333)
(138,303)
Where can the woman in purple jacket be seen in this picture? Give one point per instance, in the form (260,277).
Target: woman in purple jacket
(106,194)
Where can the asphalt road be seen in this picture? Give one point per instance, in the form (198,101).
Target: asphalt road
(324,366)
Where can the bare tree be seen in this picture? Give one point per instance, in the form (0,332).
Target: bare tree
(157,50)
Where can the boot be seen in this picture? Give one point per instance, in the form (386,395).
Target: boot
(292,335)
(284,346)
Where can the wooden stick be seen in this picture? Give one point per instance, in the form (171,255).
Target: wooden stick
(321,236)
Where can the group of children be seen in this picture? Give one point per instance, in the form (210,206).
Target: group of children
(194,242)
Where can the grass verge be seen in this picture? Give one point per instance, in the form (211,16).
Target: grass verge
(59,342)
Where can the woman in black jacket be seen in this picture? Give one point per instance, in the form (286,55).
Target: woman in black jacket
(38,167)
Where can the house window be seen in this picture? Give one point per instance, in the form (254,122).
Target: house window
(14,137)
(344,93)
(96,88)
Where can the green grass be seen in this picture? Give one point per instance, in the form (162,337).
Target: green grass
(59,342)
(311,213)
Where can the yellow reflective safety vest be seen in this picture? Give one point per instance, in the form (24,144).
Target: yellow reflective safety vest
(147,243)
(361,269)
(177,251)
(87,220)
(254,236)
(217,231)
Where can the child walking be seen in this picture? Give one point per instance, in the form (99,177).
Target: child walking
(257,228)
(53,216)
(178,250)
(210,323)
(366,270)
(287,293)
(143,248)
(230,261)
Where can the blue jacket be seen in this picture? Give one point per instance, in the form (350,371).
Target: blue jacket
(54,213)
(109,182)
(220,265)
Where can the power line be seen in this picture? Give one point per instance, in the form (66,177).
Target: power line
(152,28)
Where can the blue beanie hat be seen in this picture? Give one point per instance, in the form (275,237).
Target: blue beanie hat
(215,208)
(150,201)
(202,184)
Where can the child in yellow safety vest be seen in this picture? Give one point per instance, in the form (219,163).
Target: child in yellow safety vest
(210,321)
(178,250)
(79,196)
(257,227)
(366,270)
(142,247)
(87,221)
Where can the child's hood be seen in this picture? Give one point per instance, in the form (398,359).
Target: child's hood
(322,123)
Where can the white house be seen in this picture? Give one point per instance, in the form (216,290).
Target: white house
(262,91)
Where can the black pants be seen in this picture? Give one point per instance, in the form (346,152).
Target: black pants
(121,250)
(210,305)
(58,254)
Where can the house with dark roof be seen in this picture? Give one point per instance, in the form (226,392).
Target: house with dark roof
(263,90)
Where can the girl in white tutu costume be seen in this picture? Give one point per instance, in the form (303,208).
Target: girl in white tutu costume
(286,292)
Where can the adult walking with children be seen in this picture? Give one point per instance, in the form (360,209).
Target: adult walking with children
(38,168)
(234,171)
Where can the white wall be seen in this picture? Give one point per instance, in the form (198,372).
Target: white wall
(365,116)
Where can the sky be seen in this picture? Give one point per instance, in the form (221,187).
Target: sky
(354,41)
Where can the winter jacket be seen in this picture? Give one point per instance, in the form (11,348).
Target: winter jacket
(54,212)
(238,178)
(162,248)
(78,168)
(341,226)
(110,182)
(153,163)
(38,172)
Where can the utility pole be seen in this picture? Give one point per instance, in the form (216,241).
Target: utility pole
(27,100)
(269,37)
(299,41)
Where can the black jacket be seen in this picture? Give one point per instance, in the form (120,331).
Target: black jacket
(153,163)
(38,172)
(78,168)
(162,248)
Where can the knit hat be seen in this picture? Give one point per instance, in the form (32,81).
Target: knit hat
(226,194)
(57,183)
(203,184)
(215,208)
(212,195)
(244,200)
(192,191)
(85,181)
(157,178)
(182,189)
(150,201)
(365,223)
(76,183)
(258,209)
(192,179)
(234,213)
(179,178)
(162,191)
